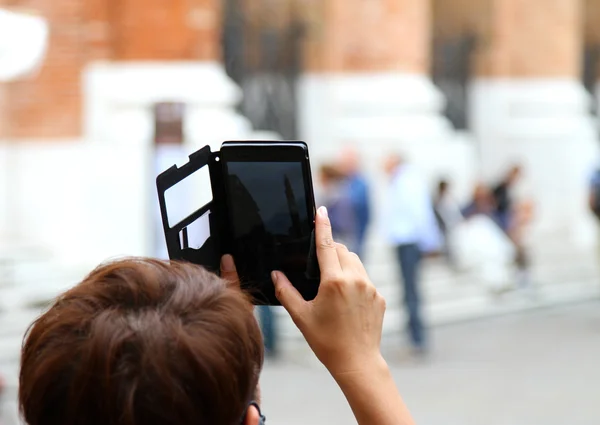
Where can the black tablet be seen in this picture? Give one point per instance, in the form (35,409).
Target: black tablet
(270,209)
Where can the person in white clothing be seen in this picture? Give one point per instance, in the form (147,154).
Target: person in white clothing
(412,229)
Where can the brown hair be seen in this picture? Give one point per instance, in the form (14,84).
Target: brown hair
(331,172)
(142,342)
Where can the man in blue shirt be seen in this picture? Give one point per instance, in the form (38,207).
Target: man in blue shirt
(359,195)
(411,227)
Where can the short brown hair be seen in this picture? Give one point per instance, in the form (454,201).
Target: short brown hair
(142,342)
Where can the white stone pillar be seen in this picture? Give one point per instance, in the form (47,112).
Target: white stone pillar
(120,96)
(530,107)
(23,44)
(366,84)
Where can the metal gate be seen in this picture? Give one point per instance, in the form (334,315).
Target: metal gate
(265,61)
(451,72)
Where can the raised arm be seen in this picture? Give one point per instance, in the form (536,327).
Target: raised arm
(343,327)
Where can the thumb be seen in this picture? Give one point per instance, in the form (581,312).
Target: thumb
(288,296)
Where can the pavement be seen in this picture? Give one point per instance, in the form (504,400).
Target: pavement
(535,368)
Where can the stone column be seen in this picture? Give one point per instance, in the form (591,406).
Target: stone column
(18,61)
(160,58)
(366,82)
(360,66)
(160,52)
(529,106)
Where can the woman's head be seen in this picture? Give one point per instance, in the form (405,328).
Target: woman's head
(143,342)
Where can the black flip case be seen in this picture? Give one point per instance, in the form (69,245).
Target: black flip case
(176,237)
(209,255)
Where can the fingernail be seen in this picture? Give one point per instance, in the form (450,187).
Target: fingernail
(274,277)
(227,263)
(323,212)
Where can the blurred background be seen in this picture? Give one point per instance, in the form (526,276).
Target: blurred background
(492,103)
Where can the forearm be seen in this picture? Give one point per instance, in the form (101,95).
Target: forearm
(373,396)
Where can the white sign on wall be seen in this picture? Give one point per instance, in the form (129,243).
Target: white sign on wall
(23,43)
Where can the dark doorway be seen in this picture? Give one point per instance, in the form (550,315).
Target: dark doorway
(591,63)
(168,123)
(264,59)
(451,73)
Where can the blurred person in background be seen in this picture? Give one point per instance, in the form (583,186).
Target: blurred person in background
(448,214)
(480,245)
(594,193)
(482,203)
(504,197)
(268,327)
(411,227)
(359,195)
(513,217)
(522,216)
(336,196)
(149,342)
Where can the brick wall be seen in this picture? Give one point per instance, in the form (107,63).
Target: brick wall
(454,19)
(49,105)
(537,38)
(515,38)
(592,21)
(3,106)
(166,30)
(358,35)
(543,38)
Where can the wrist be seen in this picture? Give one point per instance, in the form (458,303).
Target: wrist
(372,393)
(359,367)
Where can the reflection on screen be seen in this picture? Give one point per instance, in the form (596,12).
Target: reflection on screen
(270,216)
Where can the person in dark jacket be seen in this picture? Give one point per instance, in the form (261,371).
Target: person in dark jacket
(359,196)
(336,196)
(503,197)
